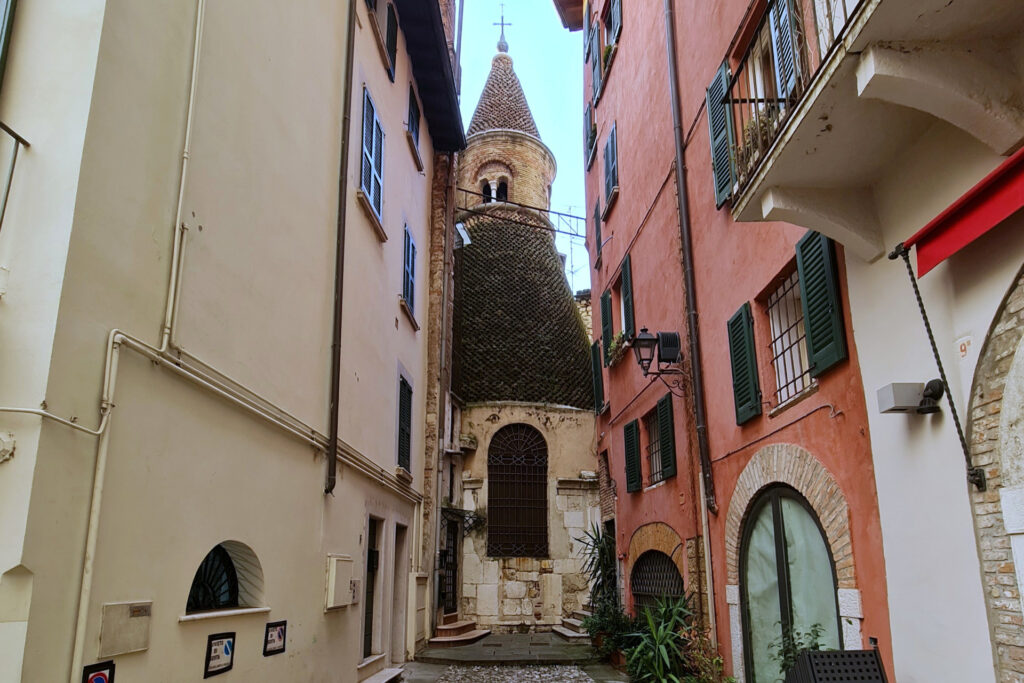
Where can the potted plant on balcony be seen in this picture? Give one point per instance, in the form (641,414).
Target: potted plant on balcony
(757,137)
(617,348)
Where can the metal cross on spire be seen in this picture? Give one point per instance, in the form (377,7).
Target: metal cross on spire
(502,45)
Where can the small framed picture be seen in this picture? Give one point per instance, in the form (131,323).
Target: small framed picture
(274,638)
(220,654)
(99,673)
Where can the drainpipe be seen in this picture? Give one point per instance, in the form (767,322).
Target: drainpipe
(708,503)
(339,261)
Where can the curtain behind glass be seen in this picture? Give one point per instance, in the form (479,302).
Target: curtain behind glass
(810,574)
(762,587)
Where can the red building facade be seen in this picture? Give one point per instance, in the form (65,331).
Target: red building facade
(787,528)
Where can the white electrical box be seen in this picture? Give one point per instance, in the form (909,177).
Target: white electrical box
(339,581)
(124,627)
(900,397)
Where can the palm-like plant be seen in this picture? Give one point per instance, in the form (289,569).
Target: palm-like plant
(599,553)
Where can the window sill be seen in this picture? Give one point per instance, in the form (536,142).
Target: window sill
(368,661)
(403,475)
(222,613)
(607,66)
(597,261)
(414,148)
(367,207)
(404,305)
(783,407)
(605,407)
(611,203)
(382,45)
(655,485)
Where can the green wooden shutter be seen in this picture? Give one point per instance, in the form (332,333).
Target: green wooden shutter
(626,290)
(613,143)
(745,386)
(666,437)
(409,271)
(606,323)
(404,425)
(414,116)
(595,66)
(782,38)
(616,19)
(6,22)
(595,367)
(608,169)
(720,125)
(819,289)
(366,175)
(631,434)
(392,40)
(597,229)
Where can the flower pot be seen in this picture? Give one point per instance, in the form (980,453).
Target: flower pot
(618,660)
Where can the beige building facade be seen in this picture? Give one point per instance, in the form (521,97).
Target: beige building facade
(168,334)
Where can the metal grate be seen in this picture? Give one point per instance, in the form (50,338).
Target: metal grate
(850,666)
(215,585)
(653,446)
(517,502)
(788,345)
(655,576)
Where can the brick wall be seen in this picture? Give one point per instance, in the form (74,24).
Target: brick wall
(527,159)
(986,433)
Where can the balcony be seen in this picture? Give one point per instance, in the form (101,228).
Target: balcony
(825,93)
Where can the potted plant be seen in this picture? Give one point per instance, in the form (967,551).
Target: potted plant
(617,348)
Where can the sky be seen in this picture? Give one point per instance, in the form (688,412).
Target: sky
(549,62)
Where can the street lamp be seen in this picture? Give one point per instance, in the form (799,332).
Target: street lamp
(643,346)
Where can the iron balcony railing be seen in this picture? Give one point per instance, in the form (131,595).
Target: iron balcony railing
(14,144)
(792,40)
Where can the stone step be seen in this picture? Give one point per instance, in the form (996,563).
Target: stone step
(582,614)
(461,639)
(573,625)
(450,618)
(570,635)
(385,676)
(455,628)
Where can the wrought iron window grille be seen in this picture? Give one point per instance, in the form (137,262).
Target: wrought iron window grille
(788,344)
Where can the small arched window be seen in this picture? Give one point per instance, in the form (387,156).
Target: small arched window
(485,190)
(502,191)
(229,577)
(517,493)
(655,577)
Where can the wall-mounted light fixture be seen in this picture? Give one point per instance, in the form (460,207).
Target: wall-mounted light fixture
(911,397)
(666,345)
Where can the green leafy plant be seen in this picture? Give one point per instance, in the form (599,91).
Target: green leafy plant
(792,643)
(606,55)
(617,348)
(592,136)
(703,662)
(611,629)
(598,551)
(658,656)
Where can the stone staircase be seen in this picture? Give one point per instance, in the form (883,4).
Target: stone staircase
(572,627)
(452,632)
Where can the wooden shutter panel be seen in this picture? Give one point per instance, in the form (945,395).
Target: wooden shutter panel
(392,40)
(595,67)
(366,176)
(377,197)
(666,437)
(613,142)
(616,19)
(414,116)
(819,289)
(595,367)
(404,425)
(631,434)
(745,386)
(720,124)
(782,41)
(606,323)
(597,229)
(608,168)
(409,271)
(6,22)
(626,290)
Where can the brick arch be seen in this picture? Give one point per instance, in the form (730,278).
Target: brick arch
(993,428)
(790,464)
(661,537)
(491,170)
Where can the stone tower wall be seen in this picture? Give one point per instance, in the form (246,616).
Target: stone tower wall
(524,160)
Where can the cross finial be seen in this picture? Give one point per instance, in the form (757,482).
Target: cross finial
(502,45)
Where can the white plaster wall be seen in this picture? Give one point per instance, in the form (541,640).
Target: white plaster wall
(934,587)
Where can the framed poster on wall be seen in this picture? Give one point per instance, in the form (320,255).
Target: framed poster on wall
(220,654)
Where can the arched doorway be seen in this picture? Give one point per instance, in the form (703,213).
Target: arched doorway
(517,493)
(787,579)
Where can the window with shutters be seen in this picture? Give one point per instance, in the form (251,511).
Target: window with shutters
(405,425)
(409,275)
(596,240)
(617,314)
(384,24)
(589,135)
(746,387)
(611,171)
(596,69)
(631,451)
(653,447)
(517,493)
(371,177)
(721,135)
(659,432)
(414,116)
(598,378)
(612,21)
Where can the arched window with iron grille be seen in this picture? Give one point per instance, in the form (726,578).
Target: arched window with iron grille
(215,585)
(654,576)
(517,493)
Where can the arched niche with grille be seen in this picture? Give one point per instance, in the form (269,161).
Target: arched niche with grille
(655,576)
(517,493)
(229,577)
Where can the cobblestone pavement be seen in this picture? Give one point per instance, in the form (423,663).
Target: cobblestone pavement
(514,674)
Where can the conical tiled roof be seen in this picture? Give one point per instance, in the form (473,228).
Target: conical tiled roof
(503,103)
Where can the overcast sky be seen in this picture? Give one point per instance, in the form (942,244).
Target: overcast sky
(549,62)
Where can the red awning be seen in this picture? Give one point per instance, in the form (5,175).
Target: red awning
(983,207)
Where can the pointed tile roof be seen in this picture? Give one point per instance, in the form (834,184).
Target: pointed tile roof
(503,103)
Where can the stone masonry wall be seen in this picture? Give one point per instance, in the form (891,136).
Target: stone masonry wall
(996,516)
(531,164)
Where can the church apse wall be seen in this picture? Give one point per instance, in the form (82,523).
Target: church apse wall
(536,589)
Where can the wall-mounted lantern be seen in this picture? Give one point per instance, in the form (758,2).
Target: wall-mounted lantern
(667,347)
